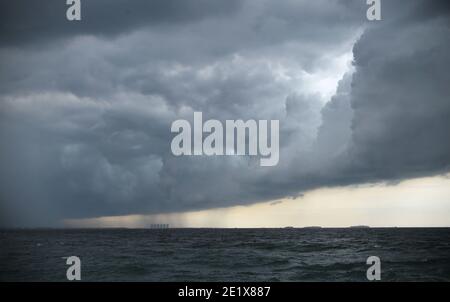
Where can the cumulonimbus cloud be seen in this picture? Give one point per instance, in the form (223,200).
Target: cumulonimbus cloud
(86,112)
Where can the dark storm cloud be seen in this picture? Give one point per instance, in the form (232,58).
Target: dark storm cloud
(398,106)
(86,108)
(25,21)
(401,122)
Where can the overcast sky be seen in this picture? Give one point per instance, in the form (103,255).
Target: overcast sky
(86,107)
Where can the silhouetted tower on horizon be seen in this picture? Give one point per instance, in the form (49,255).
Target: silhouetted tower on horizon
(159,226)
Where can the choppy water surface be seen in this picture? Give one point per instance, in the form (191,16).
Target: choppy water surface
(411,254)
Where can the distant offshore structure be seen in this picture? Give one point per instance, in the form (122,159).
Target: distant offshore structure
(159,226)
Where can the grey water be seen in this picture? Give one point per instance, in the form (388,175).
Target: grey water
(294,254)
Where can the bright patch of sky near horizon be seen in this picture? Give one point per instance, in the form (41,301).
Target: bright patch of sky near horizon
(421,202)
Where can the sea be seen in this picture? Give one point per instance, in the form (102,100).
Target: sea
(285,254)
